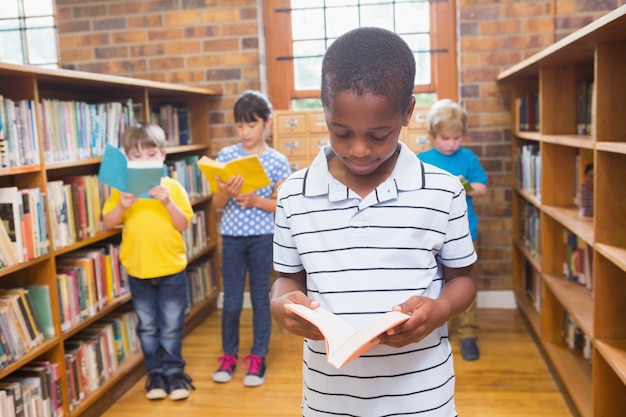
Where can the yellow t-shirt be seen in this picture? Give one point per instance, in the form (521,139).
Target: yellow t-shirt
(151,246)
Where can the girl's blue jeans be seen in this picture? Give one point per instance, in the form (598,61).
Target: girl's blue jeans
(160,305)
(251,254)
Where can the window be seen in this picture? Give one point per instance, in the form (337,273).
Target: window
(28,33)
(299,31)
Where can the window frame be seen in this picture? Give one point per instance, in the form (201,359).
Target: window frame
(280,76)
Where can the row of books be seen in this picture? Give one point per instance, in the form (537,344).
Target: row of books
(32,391)
(195,236)
(530,227)
(528,169)
(25,321)
(575,338)
(74,130)
(94,354)
(577,259)
(186,172)
(201,282)
(585,101)
(19,141)
(175,119)
(527,107)
(88,280)
(532,285)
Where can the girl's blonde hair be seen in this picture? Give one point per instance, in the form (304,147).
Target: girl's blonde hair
(144,135)
(446,114)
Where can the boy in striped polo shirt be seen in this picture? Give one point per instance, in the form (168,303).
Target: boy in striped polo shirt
(368,228)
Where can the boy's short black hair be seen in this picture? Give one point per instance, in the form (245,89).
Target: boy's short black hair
(251,105)
(369,60)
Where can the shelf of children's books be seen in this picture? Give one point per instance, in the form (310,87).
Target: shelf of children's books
(614,352)
(528,254)
(122,371)
(575,298)
(614,254)
(22,265)
(102,235)
(615,147)
(533,317)
(534,135)
(574,374)
(530,197)
(574,141)
(109,308)
(570,219)
(29,356)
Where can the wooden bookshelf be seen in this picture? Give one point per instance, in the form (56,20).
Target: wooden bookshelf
(594,382)
(36,84)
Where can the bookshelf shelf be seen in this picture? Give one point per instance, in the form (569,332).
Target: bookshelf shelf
(139,100)
(577,326)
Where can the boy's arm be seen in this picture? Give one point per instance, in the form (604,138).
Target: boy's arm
(114,216)
(291,288)
(478,189)
(177,215)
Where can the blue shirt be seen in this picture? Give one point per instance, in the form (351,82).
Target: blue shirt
(462,162)
(250,221)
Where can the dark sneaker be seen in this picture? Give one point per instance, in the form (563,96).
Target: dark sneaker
(225,372)
(179,386)
(156,386)
(469,349)
(256,371)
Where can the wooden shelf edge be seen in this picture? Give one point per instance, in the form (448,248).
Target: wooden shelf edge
(575,298)
(574,375)
(614,352)
(569,218)
(575,141)
(112,306)
(613,253)
(614,147)
(29,356)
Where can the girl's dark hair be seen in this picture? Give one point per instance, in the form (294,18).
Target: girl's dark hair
(251,105)
(369,60)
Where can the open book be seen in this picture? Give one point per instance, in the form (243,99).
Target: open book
(466,184)
(344,343)
(136,177)
(249,167)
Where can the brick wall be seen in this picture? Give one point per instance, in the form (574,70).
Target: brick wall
(219,44)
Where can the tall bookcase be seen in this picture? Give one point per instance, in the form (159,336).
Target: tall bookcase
(36,84)
(579,327)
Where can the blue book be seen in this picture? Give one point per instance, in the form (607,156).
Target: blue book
(135,177)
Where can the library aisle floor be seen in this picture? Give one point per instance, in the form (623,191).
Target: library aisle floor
(510,379)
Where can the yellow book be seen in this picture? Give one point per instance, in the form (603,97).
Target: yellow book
(109,278)
(249,167)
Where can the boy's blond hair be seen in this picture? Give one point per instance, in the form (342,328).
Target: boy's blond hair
(446,114)
(144,135)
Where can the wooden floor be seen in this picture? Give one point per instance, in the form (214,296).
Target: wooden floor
(510,379)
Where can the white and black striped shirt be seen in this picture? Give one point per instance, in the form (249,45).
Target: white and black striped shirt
(362,257)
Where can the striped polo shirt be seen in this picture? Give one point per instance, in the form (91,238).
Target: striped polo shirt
(362,256)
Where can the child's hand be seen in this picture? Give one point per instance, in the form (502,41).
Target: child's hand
(127,200)
(292,322)
(246,200)
(160,193)
(426,316)
(232,186)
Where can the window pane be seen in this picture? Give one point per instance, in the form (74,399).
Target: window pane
(307,70)
(340,20)
(420,44)
(307,24)
(378,16)
(37,7)
(9,9)
(305,4)
(46,50)
(419,20)
(11,48)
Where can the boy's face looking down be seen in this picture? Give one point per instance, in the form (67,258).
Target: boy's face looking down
(448,140)
(364,131)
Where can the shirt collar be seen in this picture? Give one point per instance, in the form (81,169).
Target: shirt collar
(408,174)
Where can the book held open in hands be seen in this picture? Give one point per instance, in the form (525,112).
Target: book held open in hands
(343,342)
(249,167)
(136,177)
